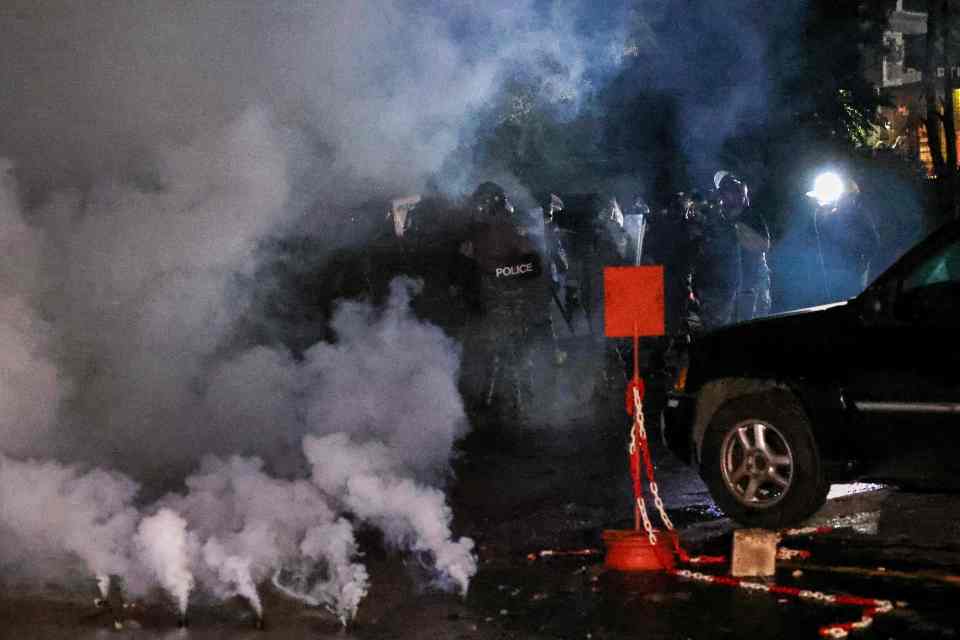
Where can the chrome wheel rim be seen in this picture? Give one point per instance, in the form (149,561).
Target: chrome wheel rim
(757,464)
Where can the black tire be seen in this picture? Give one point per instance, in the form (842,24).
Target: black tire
(774,484)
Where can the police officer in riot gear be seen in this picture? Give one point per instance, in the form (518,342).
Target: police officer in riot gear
(555,252)
(510,298)
(613,232)
(729,272)
(753,240)
(611,247)
(672,237)
(557,263)
(594,237)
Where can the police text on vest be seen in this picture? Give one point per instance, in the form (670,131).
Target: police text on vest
(515,270)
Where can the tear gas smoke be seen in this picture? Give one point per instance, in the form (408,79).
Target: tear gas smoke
(368,481)
(52,513)
(144,287)
(233,571)
(235,526)
(383,89)
(250,525)
(388,377)
(347,582)
(103,585)
(31,386)
(155,148)
(163,542)
(146,208)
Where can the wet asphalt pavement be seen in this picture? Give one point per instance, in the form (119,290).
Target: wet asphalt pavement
(523,490)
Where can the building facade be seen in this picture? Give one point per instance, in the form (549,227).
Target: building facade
(900,76)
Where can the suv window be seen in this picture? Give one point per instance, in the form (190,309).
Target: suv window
(943,266)
(930,296)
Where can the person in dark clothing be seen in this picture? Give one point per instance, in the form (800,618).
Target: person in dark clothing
(715,271)
(554,252)
(730,272)
(430,241)
(847,243)
(670,243)
(510,297)
(593,237)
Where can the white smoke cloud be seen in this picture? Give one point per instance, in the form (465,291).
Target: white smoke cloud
(234,526)
(388,377)
(367,480)
(346,584)
(164,543)
(234,572)
(155,148)
(252,525)
(144,288)
(118,353)
(50,512)
(386,86)
(31,385)
(252,399)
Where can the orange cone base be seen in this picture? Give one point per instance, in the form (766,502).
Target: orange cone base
(630,550)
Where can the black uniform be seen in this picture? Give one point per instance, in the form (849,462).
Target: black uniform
(593,237)
(510,296)
(671,243)
(555,254)
(847,244)
(730,280)
(753,293)
(715,271)
(729,271)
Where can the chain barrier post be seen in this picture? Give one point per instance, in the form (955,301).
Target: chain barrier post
(633,306)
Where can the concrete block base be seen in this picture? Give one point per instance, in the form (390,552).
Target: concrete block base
(754,553)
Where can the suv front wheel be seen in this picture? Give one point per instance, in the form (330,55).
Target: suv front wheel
(760,461)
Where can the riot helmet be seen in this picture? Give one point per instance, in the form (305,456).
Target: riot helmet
(552,207)
(490,199)
(640,207)
(610,213)
(718,178)
(733,193)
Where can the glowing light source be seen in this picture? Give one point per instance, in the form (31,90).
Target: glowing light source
(827,188)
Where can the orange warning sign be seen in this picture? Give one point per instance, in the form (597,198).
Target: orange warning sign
(633,300)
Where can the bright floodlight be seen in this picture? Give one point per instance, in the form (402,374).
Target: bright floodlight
(827,188)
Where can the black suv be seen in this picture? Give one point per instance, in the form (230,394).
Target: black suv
(772,411)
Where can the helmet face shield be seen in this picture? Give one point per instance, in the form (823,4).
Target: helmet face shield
(554,206)
(491,199)
(718,178)
(640,207)
(733,193)
(611,213)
